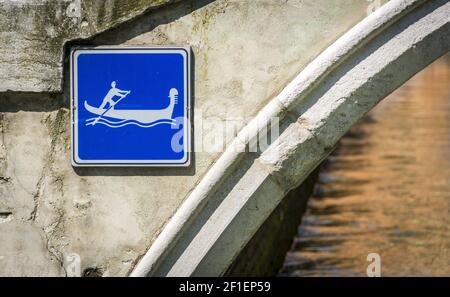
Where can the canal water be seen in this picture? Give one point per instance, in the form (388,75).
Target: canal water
(385,190)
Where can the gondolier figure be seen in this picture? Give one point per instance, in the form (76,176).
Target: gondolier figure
(110,95)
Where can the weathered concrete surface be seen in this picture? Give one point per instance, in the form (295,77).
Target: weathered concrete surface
(245,52)
(241,189)
(33,34)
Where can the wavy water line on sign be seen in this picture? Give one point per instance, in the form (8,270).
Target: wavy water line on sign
(91,120)
(122,123)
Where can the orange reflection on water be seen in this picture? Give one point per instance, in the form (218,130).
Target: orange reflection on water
(385,190)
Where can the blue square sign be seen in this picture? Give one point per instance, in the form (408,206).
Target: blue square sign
(130,106)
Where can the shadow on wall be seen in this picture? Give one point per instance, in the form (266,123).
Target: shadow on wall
(11,102)
(148,21)
(118,35)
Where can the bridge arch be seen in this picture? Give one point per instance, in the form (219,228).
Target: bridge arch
(315,110)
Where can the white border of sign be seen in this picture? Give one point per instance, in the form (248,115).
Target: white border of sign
(76,161)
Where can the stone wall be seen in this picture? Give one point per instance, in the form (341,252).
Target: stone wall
(33,35)
(244,53)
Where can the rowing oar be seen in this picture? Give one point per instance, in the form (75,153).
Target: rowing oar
(100,116)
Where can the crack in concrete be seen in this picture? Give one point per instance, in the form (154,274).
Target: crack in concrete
(57,254)
(55,128)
